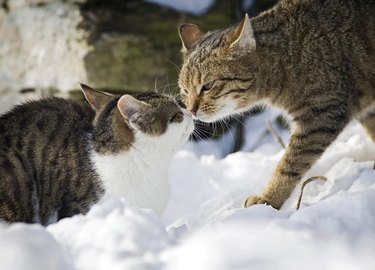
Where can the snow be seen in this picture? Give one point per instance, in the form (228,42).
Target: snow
(30,247)
(113,236)
(197,7)
(204,225)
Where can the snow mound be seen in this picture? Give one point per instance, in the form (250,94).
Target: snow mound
(30,247)
(205,227)
(197,7)
(113,236)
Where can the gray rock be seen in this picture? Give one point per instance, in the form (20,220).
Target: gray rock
(41,47)
(112,45)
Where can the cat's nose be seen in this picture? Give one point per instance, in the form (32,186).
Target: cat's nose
(187,113)
(193,110)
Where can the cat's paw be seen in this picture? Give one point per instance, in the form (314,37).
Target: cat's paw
(255,200)
(252,200)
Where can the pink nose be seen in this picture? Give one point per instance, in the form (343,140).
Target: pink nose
(193,111)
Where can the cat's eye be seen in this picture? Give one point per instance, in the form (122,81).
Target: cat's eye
(184,92)
(207,86)
(178,117)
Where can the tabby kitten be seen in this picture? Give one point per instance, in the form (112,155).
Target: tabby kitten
(315,59)
(58,157)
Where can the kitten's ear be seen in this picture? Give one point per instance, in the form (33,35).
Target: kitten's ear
(131,108)
(189,34)
(94,97)
(242,36)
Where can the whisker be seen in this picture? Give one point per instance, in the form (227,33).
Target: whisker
(226,126)
(175,92)
(200,139)
(175,65)
(229,129)
(239,120)
(203,133)
(156,84)
(167,84)
(164,86)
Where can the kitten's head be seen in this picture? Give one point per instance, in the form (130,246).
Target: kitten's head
(148,119)
(216,78)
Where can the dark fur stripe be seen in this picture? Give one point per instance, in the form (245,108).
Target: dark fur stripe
(229,92)
(311,58)
(289,173)
(328,131)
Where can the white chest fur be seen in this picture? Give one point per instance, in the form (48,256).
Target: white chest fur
(138,176)
(141,174)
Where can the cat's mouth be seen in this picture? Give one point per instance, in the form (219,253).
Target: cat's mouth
(205,118)
(223,111)
(209,118)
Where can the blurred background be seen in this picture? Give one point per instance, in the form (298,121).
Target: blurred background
(48,46)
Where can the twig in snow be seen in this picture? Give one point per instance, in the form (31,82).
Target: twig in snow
(274,133)
(322,178)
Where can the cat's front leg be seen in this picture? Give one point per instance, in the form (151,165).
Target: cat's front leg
(310,137)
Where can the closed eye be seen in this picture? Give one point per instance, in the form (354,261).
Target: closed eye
(177,118)
(184,92)
(207,86)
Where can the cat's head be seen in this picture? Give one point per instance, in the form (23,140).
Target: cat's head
(148,119)
(216,77)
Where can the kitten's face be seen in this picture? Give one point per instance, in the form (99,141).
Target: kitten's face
(145,121)
(157,119)
(216,79)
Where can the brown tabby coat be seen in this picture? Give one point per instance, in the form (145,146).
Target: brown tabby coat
(46,172)
(313,58)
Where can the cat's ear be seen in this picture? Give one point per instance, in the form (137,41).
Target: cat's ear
(131,109)
(96,98)
(242,36)
(189,34)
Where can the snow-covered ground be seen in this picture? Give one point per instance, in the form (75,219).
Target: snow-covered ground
(205,227)
(196,7)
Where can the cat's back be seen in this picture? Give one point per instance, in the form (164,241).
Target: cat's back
(43,132)
(332,40)
(46,108)
(345,8)
(43,152)
(43,120)
(315,27)
(316,19)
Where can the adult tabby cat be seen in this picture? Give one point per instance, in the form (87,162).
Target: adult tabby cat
(58,157)
(315,59)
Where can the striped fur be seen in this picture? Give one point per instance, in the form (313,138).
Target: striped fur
(47,169)
(315,59)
